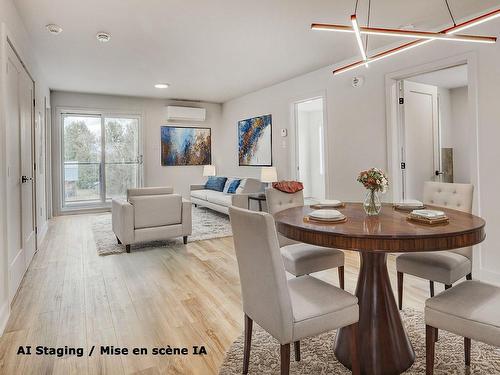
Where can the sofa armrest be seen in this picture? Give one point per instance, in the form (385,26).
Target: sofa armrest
(196,187)
(123,220)
(240,200)
(187,223)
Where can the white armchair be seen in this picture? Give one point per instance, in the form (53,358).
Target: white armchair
(151,214)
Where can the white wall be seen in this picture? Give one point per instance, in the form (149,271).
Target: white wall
(153,112)
(445,113)
(460,120)
(12,28)
(356,125)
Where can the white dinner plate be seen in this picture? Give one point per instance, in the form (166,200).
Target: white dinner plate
(326,215)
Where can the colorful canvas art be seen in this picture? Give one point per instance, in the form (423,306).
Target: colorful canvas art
(185,146)
(255,141)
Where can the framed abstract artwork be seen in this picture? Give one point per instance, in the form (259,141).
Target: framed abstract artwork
(185,146)
(255,142)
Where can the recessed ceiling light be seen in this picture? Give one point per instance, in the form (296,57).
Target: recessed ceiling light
(53,28)
(103,37)
(162,85)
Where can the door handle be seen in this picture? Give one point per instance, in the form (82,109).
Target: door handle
(25,179)
(438,173)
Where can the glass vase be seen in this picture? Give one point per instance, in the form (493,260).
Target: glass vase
(372,204)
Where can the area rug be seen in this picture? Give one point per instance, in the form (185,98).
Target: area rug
(317,353)
(207,224)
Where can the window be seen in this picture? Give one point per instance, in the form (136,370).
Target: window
(101,158)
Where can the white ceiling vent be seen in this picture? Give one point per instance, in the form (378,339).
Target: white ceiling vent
(185,113)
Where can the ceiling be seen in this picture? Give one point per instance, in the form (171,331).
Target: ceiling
(450,78)
(211,50)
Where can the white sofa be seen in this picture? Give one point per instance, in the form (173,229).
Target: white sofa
(150,214)
(220,201)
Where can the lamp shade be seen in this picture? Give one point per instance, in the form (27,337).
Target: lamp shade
(268,174)
(208,170)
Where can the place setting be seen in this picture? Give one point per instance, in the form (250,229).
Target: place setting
(326,216)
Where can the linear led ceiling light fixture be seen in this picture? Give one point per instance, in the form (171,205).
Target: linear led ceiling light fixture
(421,37)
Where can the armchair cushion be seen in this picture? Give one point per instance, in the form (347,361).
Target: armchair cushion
(301,258)
(319,307)
(470,309)
(441,266)
(156,210)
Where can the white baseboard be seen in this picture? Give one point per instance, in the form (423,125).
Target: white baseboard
(42,231)
(490,277)
(4,316)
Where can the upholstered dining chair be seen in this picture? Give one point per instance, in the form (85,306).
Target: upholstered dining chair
(300,258)
(470,309)
(444,267)
(289,310)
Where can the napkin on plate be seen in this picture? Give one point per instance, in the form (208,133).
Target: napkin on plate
(410,203)
(429,214)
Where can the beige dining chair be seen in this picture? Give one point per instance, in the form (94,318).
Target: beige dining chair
(470,309)
(300,258)
(289,310)
(444,267)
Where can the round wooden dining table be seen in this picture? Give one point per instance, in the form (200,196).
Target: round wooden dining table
(384,346)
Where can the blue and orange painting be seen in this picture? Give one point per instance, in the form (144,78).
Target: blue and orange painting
(185,146)
(254,141)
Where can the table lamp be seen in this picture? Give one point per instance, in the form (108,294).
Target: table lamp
(208,170)
(268,175)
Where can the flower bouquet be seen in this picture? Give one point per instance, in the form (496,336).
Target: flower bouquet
(375,181)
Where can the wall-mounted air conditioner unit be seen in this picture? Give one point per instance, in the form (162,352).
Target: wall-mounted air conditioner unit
(185,113)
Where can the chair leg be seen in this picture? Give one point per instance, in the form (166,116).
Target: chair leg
(431,287)
(127,248)
(400,289)
(119,242)
(248,343)
(185,239)
(341,276)
(356,370)
(469,276)
(429,349)
(467,345)
(296,346)
(447,286)
(285,359)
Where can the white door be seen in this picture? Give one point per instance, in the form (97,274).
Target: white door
(420,137)
(21,236)
(310,143)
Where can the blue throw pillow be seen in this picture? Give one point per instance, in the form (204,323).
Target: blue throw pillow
(234,185)
(215,183)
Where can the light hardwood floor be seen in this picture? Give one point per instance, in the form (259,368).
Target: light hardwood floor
(152,298)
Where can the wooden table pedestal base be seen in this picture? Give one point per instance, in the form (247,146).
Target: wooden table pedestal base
(384,347)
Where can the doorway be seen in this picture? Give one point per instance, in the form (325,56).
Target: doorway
(310,147)
(21,226)
(101,158)
(434,131)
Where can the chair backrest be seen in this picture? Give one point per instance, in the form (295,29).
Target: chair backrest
(450,195)
(278,201)
(136,192)
(157,209)
(264,286)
